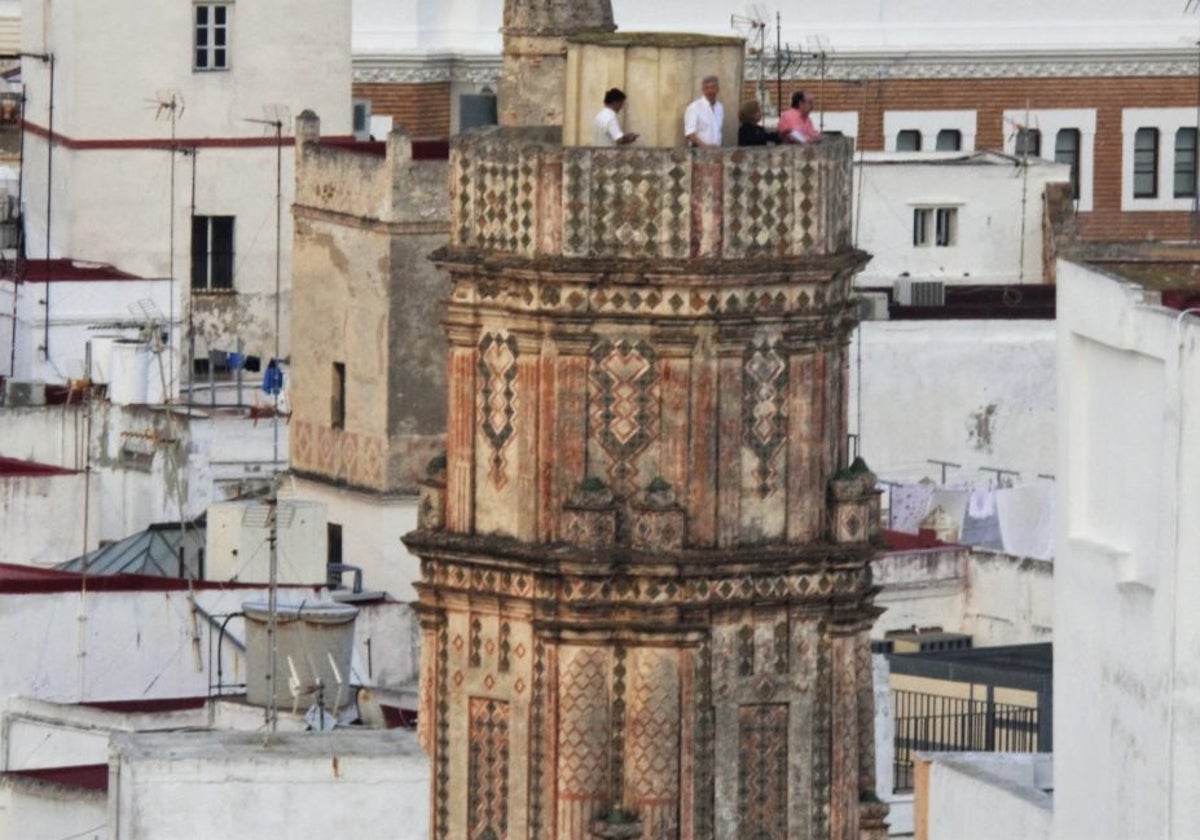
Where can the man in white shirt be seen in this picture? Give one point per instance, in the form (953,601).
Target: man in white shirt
(702,119)
(608,129)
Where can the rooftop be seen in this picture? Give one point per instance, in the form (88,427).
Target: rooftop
(86,776)
(16,579)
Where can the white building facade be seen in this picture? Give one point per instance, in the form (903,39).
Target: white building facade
(153,139)
(1127,717)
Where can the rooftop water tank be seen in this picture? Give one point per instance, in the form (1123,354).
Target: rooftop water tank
(316,641)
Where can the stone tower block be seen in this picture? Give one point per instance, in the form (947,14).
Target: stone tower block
(645,596)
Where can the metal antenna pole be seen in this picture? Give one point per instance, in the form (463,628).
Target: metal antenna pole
(272,613)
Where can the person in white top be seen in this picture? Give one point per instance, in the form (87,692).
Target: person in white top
(702,119)
(608,129)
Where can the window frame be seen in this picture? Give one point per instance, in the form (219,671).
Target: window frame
(910,133)
(205,254)
(208,56)
(948,132)
(1190,169)
(1074,161)
(1021,145)
(1145,161)
(337,396)
(935,226)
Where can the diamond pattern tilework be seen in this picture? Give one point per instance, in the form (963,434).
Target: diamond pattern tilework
(497,400)
(764,408)
(487,773)
(624,406)
(763,771)
(758,203)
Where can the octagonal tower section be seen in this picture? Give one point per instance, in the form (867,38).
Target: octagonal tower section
(646,591)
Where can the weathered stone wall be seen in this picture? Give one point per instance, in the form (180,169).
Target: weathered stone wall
(368,298)
(512,192)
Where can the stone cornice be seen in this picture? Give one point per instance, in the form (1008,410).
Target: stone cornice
(425,68)
(994,64)
(418,68)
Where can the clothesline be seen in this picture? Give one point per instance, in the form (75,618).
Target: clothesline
(1018,519)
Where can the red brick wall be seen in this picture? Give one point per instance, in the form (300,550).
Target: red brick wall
(991,97)
(422,109)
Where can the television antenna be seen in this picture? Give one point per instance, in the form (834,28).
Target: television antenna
(273,120)
(753,27)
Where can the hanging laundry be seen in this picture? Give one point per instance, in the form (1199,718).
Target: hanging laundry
(218,360)
(953,501)
(236,360)
(982,504)
(909,504)
(1026,515)
(272,378)
(253,364)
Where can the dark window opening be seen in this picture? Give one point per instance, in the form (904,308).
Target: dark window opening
(1145,163)
(1066,150)
(908,140)
(212,252)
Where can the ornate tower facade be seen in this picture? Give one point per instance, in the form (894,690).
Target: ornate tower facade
(645,590)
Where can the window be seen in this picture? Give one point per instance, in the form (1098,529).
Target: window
(935,226)
(1066,150)
(337,401)
(1029,143)
(908,140)
(333,554)
(362,119)
(1145,163)
(212,36)
(212,252)
(1185,163)
(948,140)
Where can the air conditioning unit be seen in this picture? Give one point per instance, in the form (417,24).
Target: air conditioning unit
(909,292)
(873,306)
(24,393)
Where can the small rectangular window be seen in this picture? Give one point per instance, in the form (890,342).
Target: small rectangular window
(908,140)
(212,36)
(212,252)
(949,140)
(947,222)
(1185,163)
(1066,150)
(333,554)
(1029,142)
(1145,163)
(935,226)
(922,217)
(337,401)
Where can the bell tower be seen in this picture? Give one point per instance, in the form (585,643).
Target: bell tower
(646,589)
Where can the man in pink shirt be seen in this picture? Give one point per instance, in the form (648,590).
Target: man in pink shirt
(795,124)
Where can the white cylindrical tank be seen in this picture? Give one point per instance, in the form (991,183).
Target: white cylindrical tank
(129,370)
(102,350)
(315,641)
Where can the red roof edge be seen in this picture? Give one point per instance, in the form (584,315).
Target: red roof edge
(17,467)
(87,776)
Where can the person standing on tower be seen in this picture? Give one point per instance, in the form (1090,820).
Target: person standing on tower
(608,129)
(702,119)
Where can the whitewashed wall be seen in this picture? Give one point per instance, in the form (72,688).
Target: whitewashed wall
(1126,681)
(305,785)
(371,530)
(41,518)
(987,796)
(996,598)
(990,197)
(977,393)
(34,811)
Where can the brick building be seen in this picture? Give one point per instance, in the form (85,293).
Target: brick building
(1107,87)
